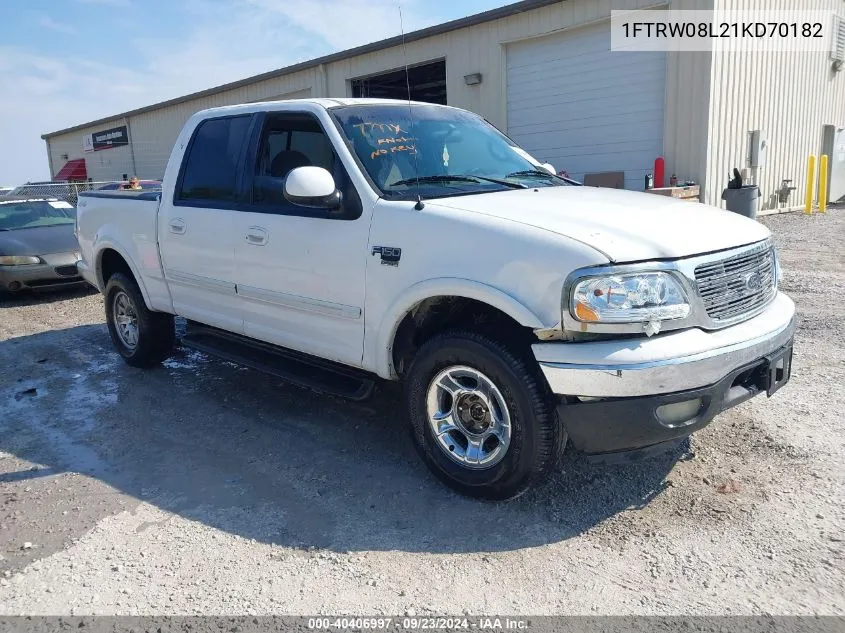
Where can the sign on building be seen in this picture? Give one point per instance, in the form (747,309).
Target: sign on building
(106,139)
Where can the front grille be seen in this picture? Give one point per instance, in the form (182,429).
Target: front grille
(739,284)
(66,271)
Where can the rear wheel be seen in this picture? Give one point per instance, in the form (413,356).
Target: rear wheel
(482,416)
(142,337)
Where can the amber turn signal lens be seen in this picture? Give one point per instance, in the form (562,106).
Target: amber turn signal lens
(584,313)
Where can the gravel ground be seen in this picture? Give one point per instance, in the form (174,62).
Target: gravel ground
(201,487)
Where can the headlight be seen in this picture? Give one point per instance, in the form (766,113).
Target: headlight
(629,298)
(18,260)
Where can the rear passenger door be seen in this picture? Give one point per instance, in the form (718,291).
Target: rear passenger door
(300,270)
(197,225)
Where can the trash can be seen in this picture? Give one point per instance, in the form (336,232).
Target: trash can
(743,200)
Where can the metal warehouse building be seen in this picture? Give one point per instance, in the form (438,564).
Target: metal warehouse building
(543,71)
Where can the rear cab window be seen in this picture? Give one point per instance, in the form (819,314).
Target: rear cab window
(211,166)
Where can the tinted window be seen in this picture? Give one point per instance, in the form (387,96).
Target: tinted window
(212,164)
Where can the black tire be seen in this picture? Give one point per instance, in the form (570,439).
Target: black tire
(536,437)
(156,333)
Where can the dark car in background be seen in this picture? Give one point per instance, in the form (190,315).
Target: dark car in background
(38,248)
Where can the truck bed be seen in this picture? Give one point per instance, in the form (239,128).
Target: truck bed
(144,194)
(125,222)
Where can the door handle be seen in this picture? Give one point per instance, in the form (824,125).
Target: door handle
(256,235)
(178,226)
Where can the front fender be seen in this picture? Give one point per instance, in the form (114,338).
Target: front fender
(381,347)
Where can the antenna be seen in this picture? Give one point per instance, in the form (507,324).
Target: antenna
(419,206)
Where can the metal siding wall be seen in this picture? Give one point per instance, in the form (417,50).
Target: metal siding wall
(105,164)
(788,96)
(155,132)
(479,48)
(685,136)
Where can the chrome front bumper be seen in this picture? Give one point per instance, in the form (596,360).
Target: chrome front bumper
(675,361)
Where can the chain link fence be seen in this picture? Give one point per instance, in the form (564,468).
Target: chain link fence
(68,191)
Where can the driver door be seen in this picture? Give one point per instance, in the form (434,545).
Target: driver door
(299,270)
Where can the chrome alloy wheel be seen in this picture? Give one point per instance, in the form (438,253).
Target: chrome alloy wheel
(125,320)
(468,417)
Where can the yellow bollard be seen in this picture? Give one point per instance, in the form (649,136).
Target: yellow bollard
(823,183)
(811,184)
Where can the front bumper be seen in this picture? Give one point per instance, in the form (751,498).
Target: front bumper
(59,270)
(617,386)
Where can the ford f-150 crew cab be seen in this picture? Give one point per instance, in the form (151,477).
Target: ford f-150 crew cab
(336,242)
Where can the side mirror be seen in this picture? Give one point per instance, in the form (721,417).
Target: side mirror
(549,168)
(312,187)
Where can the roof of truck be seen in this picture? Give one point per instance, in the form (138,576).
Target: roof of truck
(326,103)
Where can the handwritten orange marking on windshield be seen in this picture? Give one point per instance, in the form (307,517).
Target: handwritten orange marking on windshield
(396,148)
(399,139)
(381,127)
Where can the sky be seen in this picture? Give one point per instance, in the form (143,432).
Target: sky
(66,62)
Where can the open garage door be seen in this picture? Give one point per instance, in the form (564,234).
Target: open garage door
(427,83)
(585,109)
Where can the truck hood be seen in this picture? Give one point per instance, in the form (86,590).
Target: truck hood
(625,226)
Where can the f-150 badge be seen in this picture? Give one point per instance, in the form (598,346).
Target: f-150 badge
(390,255)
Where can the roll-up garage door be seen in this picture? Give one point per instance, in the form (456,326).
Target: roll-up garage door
(585,109)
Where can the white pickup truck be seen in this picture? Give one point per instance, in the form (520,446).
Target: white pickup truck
(339,242)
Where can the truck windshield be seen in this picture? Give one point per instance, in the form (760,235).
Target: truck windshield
(433,151)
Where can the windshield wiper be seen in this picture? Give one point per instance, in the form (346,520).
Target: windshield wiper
(440,178)
(501,181)
(457,178)
(534,172)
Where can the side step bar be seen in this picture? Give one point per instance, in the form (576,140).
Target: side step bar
(295,367)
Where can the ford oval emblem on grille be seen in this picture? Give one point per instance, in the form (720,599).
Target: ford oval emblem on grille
(754,282)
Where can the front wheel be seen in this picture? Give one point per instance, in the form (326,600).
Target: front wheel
(142,337)
(482,417)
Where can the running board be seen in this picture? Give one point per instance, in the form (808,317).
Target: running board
(321,375)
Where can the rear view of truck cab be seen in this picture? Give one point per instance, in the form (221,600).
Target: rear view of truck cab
(338,243)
